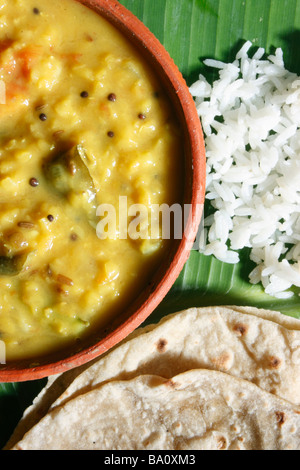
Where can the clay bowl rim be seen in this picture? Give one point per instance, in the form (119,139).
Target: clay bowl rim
(168,71)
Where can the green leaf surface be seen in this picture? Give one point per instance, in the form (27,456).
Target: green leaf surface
(192,30)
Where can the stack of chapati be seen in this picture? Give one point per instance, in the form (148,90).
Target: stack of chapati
(204,378)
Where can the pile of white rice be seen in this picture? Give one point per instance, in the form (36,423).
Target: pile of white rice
(251,120)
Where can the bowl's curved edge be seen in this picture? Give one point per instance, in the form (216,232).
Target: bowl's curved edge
(142,36)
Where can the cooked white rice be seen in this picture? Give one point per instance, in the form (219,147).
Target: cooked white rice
(251,120)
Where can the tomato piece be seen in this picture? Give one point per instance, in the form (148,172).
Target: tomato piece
(26,59)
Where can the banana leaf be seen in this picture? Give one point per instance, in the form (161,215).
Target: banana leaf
(192,30)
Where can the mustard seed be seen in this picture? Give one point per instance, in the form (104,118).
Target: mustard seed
(33,182)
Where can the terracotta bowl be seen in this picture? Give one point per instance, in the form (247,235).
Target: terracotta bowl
(194,184)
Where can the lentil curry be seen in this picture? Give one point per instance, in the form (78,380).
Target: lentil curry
(84,122)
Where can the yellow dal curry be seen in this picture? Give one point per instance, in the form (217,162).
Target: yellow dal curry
(84,122)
